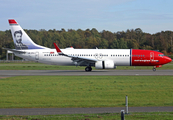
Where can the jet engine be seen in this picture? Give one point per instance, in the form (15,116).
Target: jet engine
(107,64)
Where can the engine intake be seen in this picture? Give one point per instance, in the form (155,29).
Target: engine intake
(108,64)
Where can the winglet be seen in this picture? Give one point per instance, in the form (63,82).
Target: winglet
(57,48)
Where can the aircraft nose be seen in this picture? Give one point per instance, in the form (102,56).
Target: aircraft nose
(169,59)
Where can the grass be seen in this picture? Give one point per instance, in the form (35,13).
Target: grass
(36,66)
(104,116)
(85,91)
(40,66)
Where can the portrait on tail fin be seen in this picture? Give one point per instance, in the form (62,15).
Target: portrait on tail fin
(18,40)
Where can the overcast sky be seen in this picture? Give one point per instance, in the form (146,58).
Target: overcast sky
(151,16)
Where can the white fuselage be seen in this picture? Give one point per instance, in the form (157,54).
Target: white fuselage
(121,57)
(100,58)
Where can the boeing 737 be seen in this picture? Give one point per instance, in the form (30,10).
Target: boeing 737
(98,58)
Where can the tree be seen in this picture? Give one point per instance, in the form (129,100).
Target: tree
(122,44)
(135,39)
(103,44)
(138,34)
(115,44)
(133,44)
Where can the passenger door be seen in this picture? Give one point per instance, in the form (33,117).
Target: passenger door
(36,55)
(151,56)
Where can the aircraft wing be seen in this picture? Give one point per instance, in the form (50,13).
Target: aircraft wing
(78,60)
(13,50)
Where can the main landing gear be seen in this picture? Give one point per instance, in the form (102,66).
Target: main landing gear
(88,69)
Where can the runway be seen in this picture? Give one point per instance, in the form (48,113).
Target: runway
(8,73)
(56,111)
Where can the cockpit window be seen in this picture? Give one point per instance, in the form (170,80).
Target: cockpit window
(161,55)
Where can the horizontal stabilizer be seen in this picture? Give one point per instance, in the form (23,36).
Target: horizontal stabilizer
(13,50)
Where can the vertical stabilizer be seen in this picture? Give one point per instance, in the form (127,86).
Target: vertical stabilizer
(21,39)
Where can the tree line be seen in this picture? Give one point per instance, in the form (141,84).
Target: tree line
(129,39)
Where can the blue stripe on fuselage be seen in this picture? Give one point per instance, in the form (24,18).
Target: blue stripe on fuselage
(130,57)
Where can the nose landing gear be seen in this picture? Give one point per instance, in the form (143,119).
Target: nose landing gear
(154,69)
(157,66)
(88,69)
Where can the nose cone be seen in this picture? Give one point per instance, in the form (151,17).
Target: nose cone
(169,59)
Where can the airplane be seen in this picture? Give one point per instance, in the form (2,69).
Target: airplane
(98,58)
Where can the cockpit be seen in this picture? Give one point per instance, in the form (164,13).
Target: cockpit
(161,55)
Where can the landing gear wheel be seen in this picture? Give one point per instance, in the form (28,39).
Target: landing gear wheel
(154,69)
(87,69)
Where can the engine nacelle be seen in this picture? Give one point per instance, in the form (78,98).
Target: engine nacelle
(108,64)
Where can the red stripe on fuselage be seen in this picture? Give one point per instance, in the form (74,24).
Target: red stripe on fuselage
(147,58)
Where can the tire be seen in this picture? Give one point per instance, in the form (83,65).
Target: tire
(87,69)
(154,69)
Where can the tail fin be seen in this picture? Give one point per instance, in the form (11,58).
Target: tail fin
(21,39)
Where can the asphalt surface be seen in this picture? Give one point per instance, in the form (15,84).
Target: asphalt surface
(8,73)
(56,111)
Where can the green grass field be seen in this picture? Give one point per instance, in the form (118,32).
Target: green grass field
(39,66)
(104,116)
(85,91)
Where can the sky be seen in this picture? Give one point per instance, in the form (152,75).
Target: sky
(151,16)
